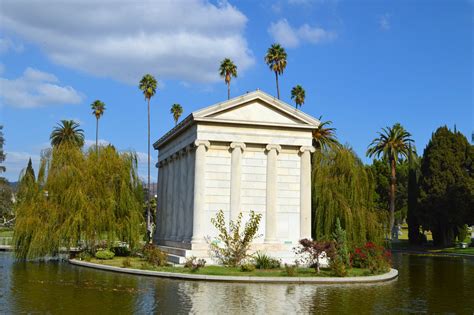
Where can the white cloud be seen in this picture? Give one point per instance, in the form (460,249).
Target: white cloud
(283,33)
(17,161)
(35,89)
(6,44)
(384,22)
(120,39)
(91,143)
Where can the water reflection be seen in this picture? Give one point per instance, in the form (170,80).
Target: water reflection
(426,284)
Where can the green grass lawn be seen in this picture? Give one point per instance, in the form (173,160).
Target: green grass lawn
(454,250)
(138,263)
(404,235)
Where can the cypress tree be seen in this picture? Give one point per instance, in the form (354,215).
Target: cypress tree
(446,199)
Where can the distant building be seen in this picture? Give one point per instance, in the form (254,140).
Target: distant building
(249,153)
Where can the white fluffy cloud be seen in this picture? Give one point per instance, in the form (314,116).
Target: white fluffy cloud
(283,33)
(123,40)
(36,88)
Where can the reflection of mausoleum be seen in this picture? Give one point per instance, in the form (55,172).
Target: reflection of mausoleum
(249,153)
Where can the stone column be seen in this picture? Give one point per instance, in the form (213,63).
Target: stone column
(271,211)
(237,148)
(305,192)
(188,216)
(175,194)
(164,198)
(182,194)
(199,189)
(169,198)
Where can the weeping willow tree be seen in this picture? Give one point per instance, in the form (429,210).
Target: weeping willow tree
(343,188)
(78,199)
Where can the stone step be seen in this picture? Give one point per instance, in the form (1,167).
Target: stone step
(173,250)
(176,259)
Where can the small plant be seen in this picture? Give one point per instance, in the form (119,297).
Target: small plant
(263,261)
(313,251)
(291,270)
(104,254)
(247,267)
(154,256)
(194,264)
(340,260)
(127,262)
(85,256)
(236,243)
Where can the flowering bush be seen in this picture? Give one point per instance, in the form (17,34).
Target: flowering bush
(312,251)
(372,256)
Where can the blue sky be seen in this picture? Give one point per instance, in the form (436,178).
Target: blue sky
(364,64)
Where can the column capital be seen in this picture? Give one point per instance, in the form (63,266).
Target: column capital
(205,143)
(276,147)
(304,149)
(239,145)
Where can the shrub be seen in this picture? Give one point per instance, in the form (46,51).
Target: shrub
(291,270)
(339,260)
(127,263)
(154,256)
(236,243)
(463,234)
(263,261)
(247,267)
(312,251)
(194,264)
(121,251)
(104,254)
(374,257)
(85,256)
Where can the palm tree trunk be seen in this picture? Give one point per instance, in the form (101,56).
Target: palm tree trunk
(97,135)
(278,88)
(393,181)
(228,90)
(148,223)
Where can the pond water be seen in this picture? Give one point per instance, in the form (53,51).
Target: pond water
(425,284)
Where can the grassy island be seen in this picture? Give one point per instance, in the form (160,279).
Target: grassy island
(141,264)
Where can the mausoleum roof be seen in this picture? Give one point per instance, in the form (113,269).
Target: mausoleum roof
(255,108)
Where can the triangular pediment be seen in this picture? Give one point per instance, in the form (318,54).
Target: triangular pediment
(256,108)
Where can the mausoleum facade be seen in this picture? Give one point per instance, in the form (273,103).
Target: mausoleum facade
(248,153)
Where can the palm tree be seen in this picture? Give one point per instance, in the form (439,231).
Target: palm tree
(324,137)
(276,60)
(98,109)
(67,132)
(148,86)
(392,144)
(228,70)
(177,111)
(298,94)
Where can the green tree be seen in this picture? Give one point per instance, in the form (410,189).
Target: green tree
(276,60)
(67,132)
(413,220)
(298,94)
(382,176)
(446,199)
(227,70)
(392,144)
(177,111)
(78,199)
(343,188)
(148,86)
(98,108)
(324,137)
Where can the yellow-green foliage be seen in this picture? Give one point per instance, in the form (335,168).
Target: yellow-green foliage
(343,188)
(78,197)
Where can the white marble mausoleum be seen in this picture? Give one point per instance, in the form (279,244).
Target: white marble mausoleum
(248,153)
